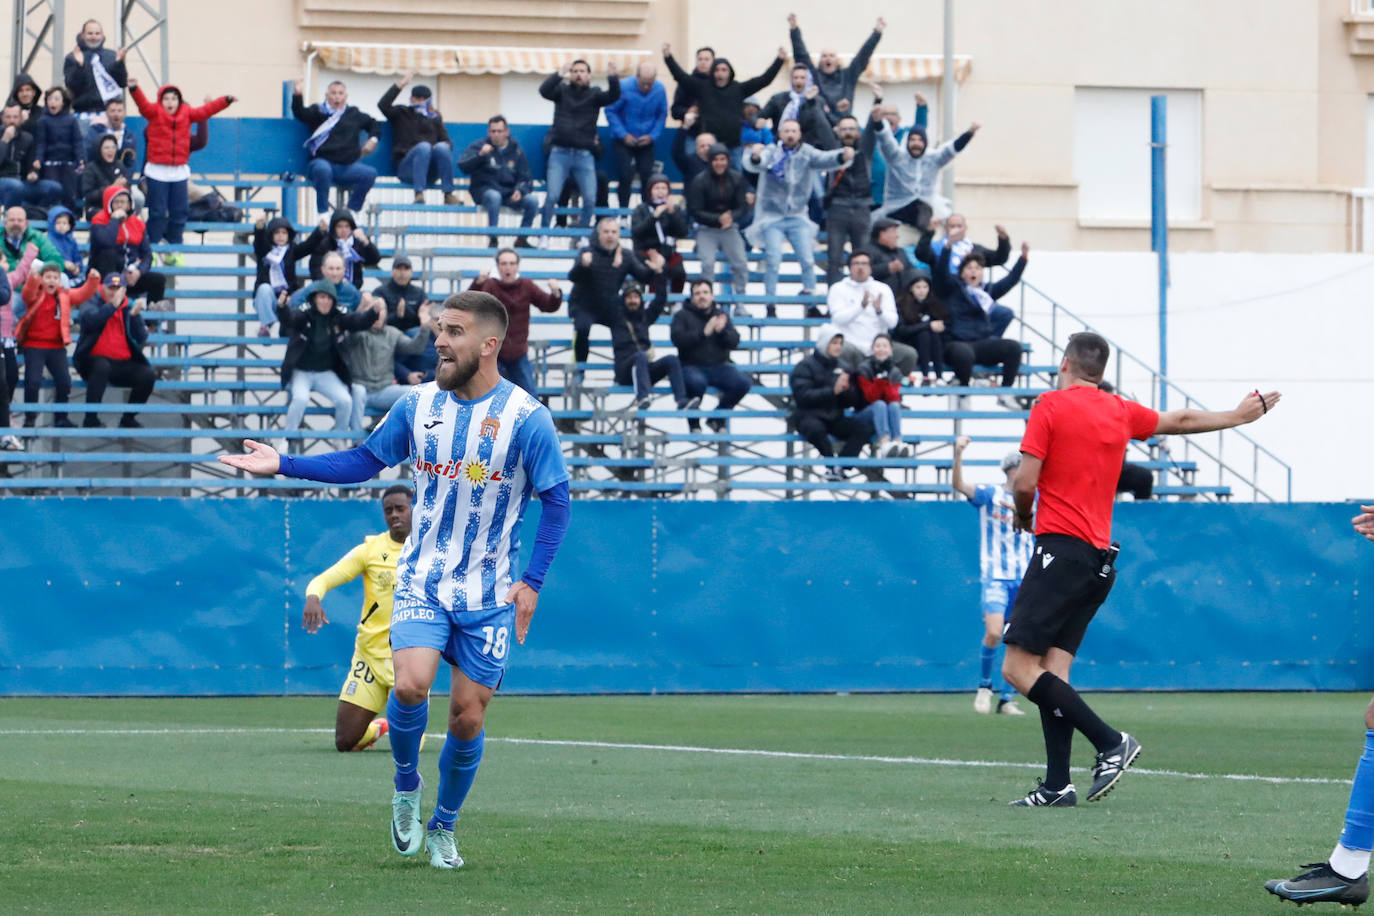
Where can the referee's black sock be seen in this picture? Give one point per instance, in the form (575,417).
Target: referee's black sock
(1050,693)
(1058,749)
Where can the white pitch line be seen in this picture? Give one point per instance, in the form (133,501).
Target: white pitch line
(686,749)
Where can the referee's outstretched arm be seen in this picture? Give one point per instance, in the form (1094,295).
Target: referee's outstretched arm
(1253,406)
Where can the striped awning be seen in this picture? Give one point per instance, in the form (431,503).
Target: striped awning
(912,68)
(429,60)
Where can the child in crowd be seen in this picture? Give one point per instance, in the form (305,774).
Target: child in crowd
(45,332)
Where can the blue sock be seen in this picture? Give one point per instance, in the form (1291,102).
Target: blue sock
(458,763)
(1359,814)
(407,729)
(985,657)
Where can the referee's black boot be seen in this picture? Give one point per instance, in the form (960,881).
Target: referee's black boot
(1040,797)
(1111,764)
(1320,885)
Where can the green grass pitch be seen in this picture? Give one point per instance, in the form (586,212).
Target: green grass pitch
(889,804)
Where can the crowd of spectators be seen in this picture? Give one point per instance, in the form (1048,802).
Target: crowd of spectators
(905,304)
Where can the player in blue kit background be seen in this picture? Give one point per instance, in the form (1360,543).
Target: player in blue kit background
(1003,553)
(480,447)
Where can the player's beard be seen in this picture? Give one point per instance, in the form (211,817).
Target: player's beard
(454,375)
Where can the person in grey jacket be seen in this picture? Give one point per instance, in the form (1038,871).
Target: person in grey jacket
(371,358)
(785,171)
(909,191)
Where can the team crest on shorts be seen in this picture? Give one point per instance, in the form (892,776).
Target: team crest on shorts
(490,427)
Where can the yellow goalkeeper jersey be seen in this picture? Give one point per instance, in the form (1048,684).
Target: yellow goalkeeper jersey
(375,560)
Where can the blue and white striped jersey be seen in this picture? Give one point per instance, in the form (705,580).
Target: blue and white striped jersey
(1004,552)
(476,464)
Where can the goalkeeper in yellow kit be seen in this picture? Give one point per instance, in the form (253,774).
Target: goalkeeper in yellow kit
(370,675)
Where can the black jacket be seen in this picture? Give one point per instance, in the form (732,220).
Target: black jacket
(98,176)
(709,195)
(16,157)
(853,181)
(320,243)
(109,255)
(295,323)
(94,315)
(630,330)
(32,109)
(720,106)
(914,317)
(408,126)
(645,228)
(596,287)
(575,109)
(392,293)
(697,348)
(505,170)
(684,97)
(342,146)
(813,387)
(882,259)
(262,244)
(815,123)
(80,79)
(967,320)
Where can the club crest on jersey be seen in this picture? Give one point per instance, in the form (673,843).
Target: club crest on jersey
(490,427)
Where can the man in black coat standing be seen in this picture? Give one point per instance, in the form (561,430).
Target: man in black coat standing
(576,106)
(821,390)
(721,99)
(94,75)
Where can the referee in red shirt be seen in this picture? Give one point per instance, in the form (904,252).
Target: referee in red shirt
(1072,451)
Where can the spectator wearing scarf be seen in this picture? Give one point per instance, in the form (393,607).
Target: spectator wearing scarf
(333,146)
(786,171)
(277,251)
(343,236)
(803,103)
(421,150)
(93,75)
(656,225)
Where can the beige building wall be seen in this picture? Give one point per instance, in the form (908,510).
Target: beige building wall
(1284,86)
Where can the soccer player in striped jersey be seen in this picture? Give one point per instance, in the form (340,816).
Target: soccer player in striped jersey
(479,448)
(1003,554)
(358,725)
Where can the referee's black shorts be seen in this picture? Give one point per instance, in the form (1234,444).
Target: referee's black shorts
(1065,584)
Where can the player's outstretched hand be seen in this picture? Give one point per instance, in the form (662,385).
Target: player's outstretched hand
(261,458)
(525,600)
(1364,522)
(1256,405)
(314,615)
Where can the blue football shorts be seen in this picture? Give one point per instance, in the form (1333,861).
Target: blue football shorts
(477,642)
(999,595)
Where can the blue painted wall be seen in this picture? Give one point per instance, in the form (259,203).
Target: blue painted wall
(143,596)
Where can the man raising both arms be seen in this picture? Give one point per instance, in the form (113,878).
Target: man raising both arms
(357,726)
(480,447)
(1072,451)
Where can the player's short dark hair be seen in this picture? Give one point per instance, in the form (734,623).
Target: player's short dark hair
(398,488)
(858,253)
(1087,354)
(497,119)
(485,306)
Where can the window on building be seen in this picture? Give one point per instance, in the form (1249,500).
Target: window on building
(1112,153)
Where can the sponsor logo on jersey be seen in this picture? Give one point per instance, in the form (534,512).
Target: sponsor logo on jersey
(474,472)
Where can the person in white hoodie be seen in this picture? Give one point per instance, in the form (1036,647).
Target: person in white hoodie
(861,308)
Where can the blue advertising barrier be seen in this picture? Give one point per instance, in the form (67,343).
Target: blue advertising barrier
(164,597)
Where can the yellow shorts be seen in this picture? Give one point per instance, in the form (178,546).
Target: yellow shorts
(368,683)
